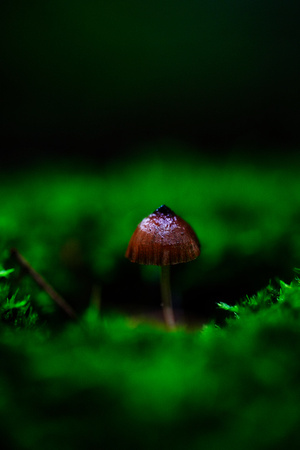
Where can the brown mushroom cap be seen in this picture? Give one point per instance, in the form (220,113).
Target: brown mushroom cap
(162,239)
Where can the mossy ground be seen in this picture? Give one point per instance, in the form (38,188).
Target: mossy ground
(116,379)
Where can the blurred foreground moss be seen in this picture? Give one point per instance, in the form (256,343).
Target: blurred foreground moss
(113,382)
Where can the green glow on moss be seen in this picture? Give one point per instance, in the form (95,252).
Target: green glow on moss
(214,386)
(231,206)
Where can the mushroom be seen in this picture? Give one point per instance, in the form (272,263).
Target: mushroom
(163,239)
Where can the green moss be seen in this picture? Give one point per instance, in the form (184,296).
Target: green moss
(114,380)
(111,382)
(86,215)
(15,309)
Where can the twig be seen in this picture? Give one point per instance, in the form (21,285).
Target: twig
(95,299)
(40,281)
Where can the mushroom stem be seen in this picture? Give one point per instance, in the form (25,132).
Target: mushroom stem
(166,297)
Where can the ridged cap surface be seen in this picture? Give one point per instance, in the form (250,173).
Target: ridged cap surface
(163,239)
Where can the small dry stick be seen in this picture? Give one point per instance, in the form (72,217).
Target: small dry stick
(40,281)
(95,299)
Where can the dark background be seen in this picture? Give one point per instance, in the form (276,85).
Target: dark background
(81,77)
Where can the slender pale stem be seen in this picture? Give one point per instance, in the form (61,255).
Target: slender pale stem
(166,297)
